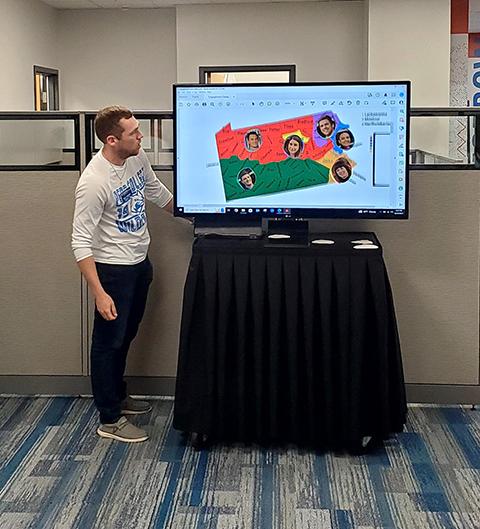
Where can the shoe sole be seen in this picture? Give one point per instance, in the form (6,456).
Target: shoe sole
(107,435)
(134,412)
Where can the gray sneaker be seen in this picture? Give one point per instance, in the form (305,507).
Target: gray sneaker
(122,430)
(134,407)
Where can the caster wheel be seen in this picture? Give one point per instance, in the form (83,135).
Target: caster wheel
(199,440)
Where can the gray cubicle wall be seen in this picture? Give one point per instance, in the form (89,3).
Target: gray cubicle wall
(46,311)
(40,312)
(45,314)
(433,265)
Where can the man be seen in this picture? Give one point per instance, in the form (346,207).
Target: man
(325,126)
(246,178)
(110,241)
(253,140)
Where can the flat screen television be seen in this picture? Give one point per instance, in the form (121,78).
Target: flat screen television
(244,152)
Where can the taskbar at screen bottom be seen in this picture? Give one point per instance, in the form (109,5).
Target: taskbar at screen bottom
(245,213)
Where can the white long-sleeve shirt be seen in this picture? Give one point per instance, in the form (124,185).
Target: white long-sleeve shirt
(110,221)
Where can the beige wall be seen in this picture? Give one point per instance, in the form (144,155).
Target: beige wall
(305,34)
(28,37)
(410,39)
(117,57)
(134,56)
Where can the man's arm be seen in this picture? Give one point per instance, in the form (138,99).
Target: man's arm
(104,303)
(155,191)
(169,206)
(89,204)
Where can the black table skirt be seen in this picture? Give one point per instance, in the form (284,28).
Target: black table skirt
(286,344)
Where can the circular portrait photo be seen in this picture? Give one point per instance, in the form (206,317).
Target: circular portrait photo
(341,170)
(325,126)
(253,140)
(246,178)
(344,139)
(293,146)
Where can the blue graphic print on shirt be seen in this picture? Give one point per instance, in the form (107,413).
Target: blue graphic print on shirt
(130,203)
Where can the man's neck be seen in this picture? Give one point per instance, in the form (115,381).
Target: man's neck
(112,156)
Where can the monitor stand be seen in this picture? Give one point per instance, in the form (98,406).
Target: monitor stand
(287,232)
(250,228)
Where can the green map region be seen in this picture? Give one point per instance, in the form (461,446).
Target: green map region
(273,177)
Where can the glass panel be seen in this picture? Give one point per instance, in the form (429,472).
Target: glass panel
(160,158)
(97,144)
(167,134)
(165,158)
(146,130)
(441,140)
(37,142)
(158,140)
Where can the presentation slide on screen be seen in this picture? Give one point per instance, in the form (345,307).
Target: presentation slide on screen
(292,146)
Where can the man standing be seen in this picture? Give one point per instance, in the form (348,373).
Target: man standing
(110,241)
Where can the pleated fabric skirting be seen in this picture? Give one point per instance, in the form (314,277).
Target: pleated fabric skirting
(288,347)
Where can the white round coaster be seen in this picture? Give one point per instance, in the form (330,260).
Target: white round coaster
(362,241)
(366,247)
(323,241)
(279,236)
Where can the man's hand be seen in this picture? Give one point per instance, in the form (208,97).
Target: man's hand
(169,206)
(106,307)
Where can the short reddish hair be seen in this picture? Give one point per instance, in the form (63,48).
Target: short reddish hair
(107,122)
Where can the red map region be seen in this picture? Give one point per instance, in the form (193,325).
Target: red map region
(232,142)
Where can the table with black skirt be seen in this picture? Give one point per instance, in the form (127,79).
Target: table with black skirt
(283,343)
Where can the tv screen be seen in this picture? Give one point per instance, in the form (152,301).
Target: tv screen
(324,150)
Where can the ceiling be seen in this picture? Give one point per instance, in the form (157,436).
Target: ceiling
(149,4)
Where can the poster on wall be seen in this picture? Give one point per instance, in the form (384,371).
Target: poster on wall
(464,71)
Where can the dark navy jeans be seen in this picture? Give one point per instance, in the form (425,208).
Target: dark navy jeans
(128,286)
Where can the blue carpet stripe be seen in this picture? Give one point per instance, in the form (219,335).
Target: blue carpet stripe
(16,417)
(60,493)
(199,478)
(52,415)
(322,484)
(174,447)
(343,520)
(166,505)
(381,501)
(432,497)
(69,478)
(266,496)
(464,437)
(104,479)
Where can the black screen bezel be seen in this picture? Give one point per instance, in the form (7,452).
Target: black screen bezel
(231,218)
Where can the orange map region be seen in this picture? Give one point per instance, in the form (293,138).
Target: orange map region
(232,142)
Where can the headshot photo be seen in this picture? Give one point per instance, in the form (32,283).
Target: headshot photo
(344,139)
(246,178)
(341,170)
(293,146)
(325,126)
(253,140)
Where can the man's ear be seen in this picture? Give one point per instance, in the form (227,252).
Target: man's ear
(111,140)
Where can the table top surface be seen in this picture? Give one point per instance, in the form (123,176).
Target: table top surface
(328,243)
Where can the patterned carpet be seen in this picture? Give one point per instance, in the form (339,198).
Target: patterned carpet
(55,473)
